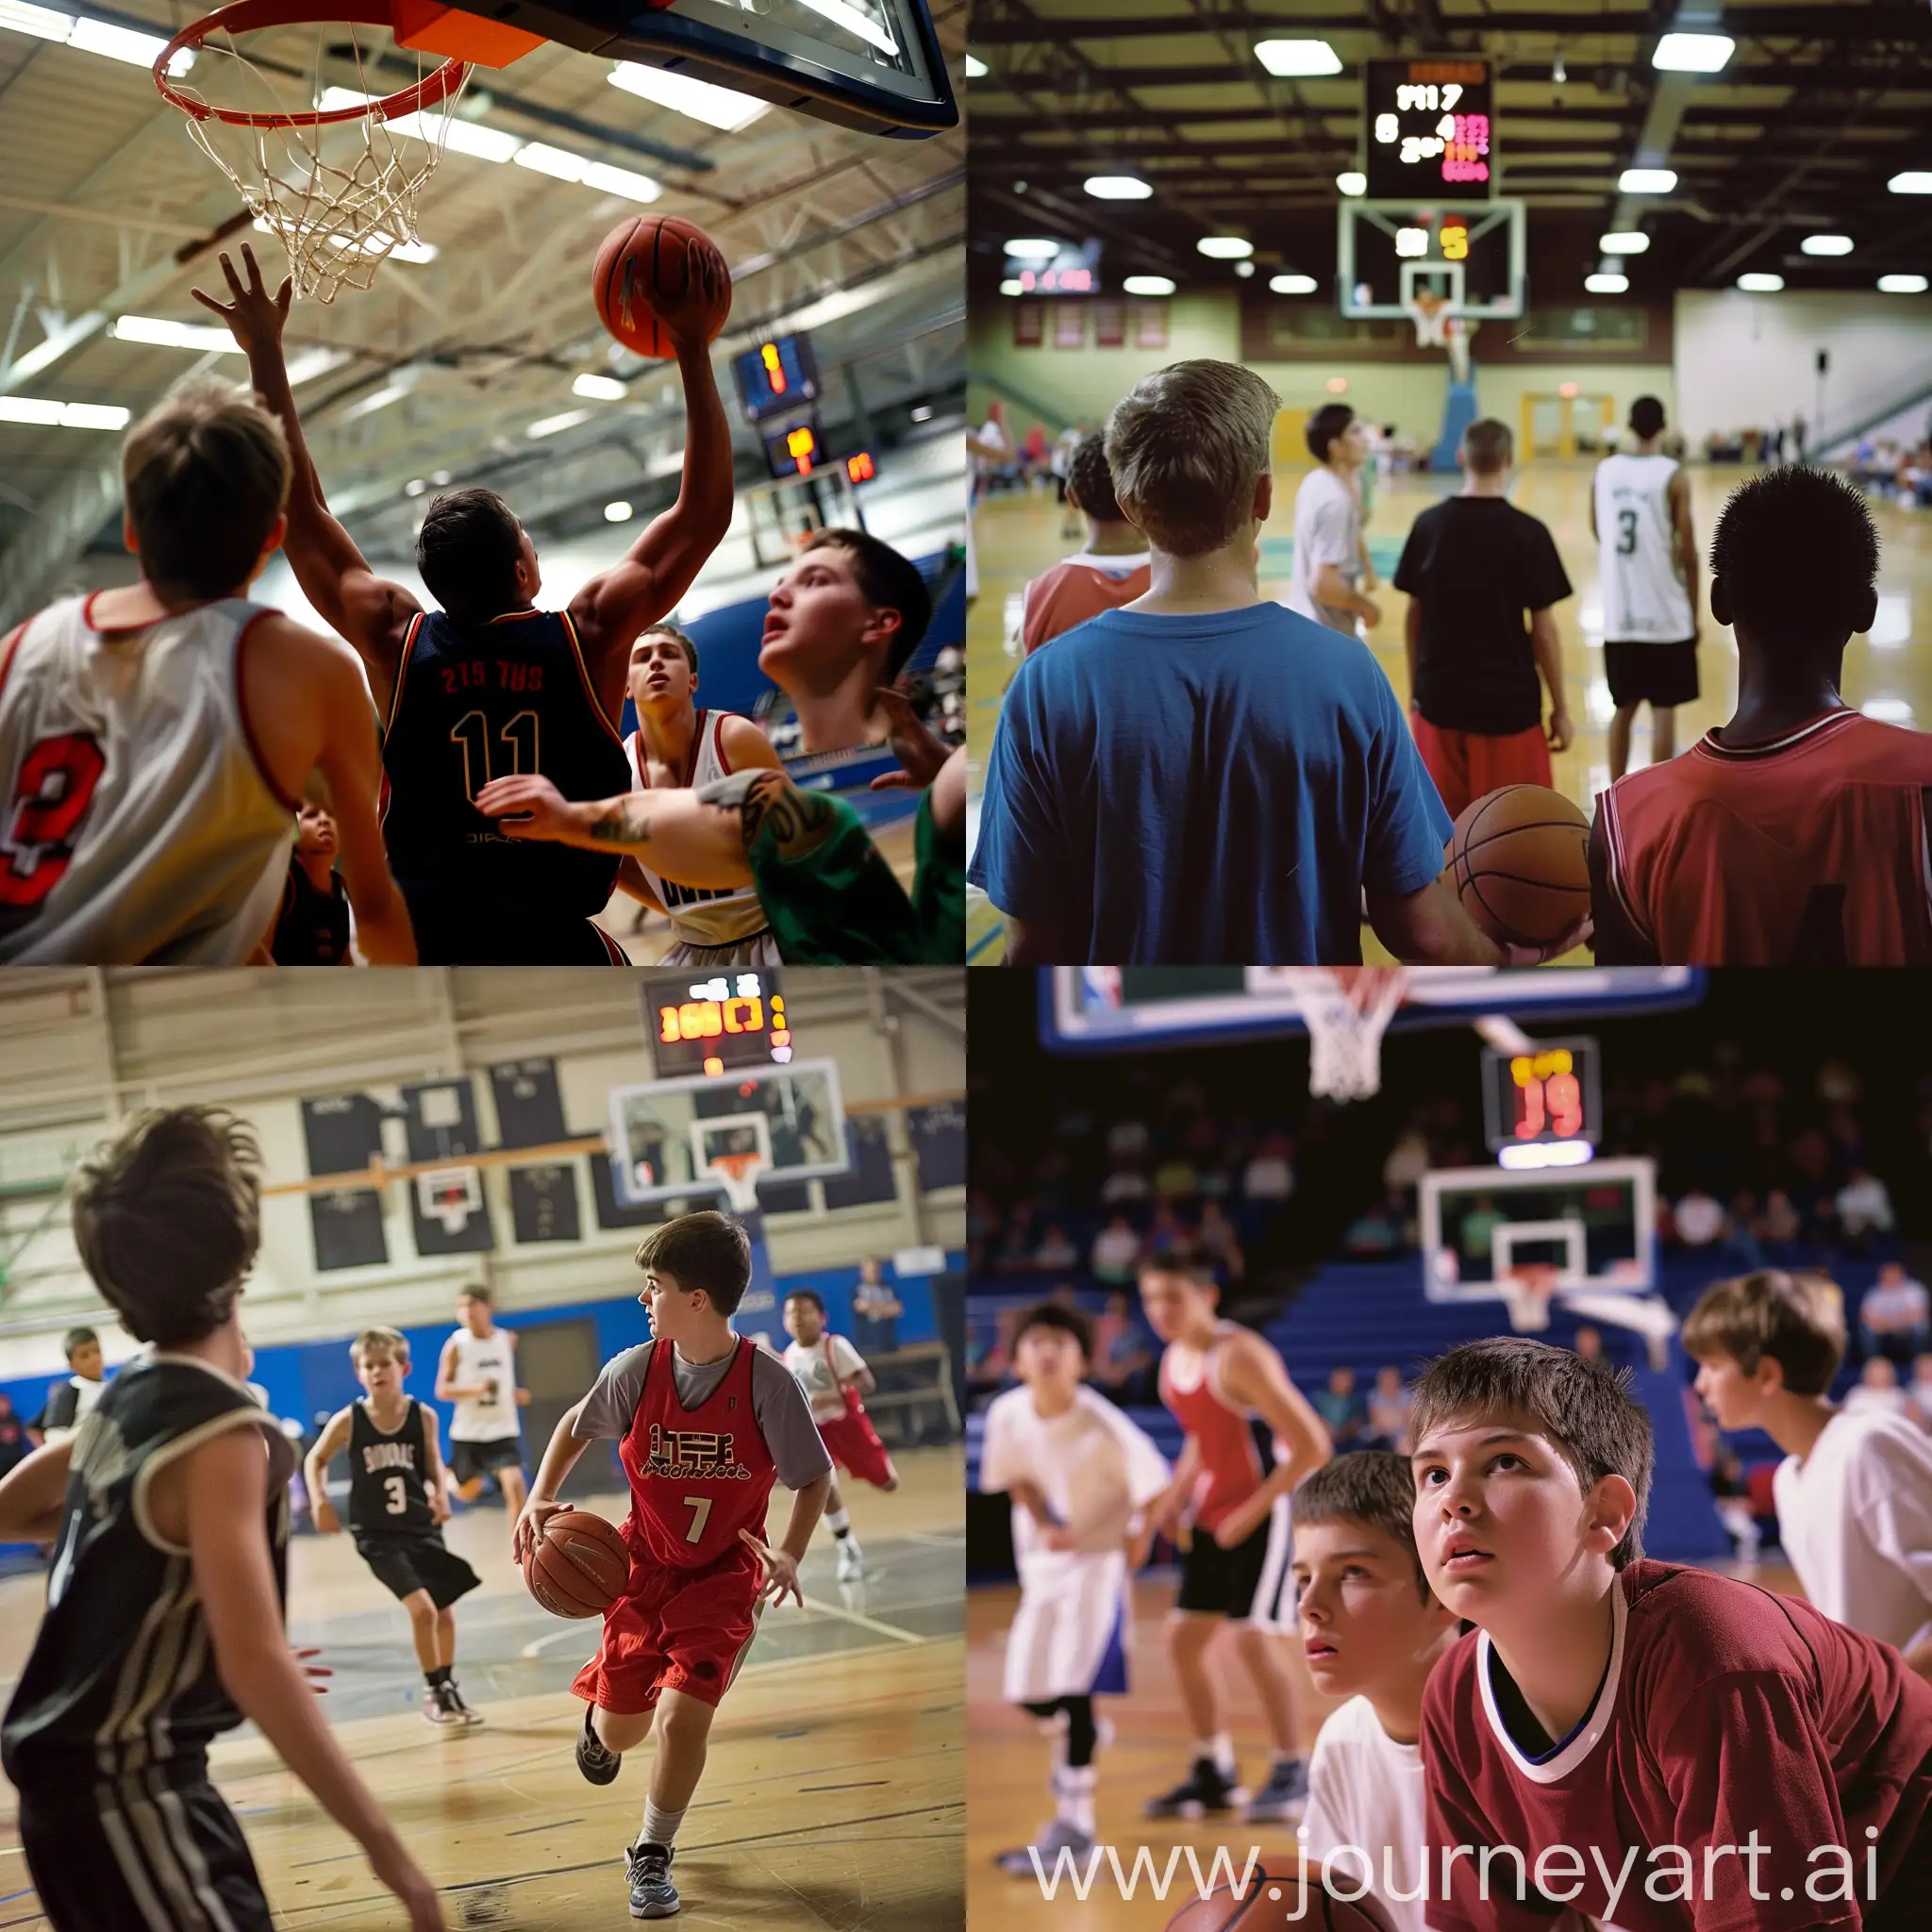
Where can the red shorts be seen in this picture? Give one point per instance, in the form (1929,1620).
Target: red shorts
(674,1630)
(854,1444)
(1467,765)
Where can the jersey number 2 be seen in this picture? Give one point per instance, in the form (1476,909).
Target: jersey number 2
(471,731)
(395,1495)
(50,799)
(1626,533)
(700,1508)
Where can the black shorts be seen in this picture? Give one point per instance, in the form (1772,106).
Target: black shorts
(461,932)
(1250,1583)
(405,1564)
(468,1459)
(1647,674)
(140,1851)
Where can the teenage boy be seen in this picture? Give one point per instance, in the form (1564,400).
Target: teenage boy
(312,928)
(1332,571)
(1081,1478)
(74,1399)
(1854,1490)
(397,1508)
(477,1371)
(705,1422)
(163,1626)
(1640,1741)
(1110,571)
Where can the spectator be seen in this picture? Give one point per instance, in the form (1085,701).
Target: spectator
(1216,1237)
(14,1446)
(1125,1184)
(875,1310)
(1478,1224)
(1699,1221)
(1175,1178)
(1877,1392)
(1056,1253)
(1389,1405)
(1377,1232)
(1895,1314)
(1864,1209)
(1920,1393)
(1732,1493)
(1269,1176)
(1590,1343)
(1116,1251)
(1781,1226)
(990,1351)
(1342,1406)
(1126,1140)
(1110,571)
(1121,1358)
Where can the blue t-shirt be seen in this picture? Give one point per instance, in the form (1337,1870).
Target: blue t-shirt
(1205,790)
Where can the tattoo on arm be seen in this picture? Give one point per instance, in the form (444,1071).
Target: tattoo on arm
(626,822)
(799,820)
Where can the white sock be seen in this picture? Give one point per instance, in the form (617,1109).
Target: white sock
(1220,1747)
(1073,1798)
(660,1828)
(838,1522)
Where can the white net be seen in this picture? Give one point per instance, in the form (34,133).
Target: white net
(1347,1009)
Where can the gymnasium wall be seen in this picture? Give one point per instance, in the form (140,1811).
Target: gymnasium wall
(1749,360)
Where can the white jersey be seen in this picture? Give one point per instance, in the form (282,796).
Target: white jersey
(137,823)
(1644,598)
(726,927)
(823,1370)
(1328,529)
(493,1417)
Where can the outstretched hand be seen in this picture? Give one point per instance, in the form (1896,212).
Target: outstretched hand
(255,318)
(525,805)
(781,1571)
(687,318)
(918,751)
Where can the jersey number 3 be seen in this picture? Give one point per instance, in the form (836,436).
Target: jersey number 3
(1626,533)
(50,799)
(395,1494)
(471,731)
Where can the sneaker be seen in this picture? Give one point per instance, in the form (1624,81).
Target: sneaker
(453,1701)
(652,1893)
(1058,1837)
(437,1708)
(1205,1788)
(1284,1797)
(598,1762)
(851,1560)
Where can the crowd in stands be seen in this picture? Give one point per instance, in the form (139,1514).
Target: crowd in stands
(1900,471)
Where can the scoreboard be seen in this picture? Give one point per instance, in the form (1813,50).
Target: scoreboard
(777,375)
(732,1019)
(1431,131)
(1543,1098)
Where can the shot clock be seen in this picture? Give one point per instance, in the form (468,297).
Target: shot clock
(1431,131)
(710,1025)
(1547,1096)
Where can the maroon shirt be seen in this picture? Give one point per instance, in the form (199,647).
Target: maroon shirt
(1725,1709)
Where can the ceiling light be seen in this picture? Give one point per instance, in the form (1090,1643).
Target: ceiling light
(1148,285)
(924,413)
(1826,244)
(1244,269)
(976,69)
(1558,73)
(1902,284)
(62,415)
(1888,711)
(1913,181)
(1293,285)
(1546,1154)
(314,362)
(1352,181)
(1013,286)
(699,100)
(1627,242)
(381,399)
(91,36)
(163,334)
(1607,283)
(471,138)
(418,252)
(624,181)
(414,486)
(1117,187)
(1224,247)
(1032,248)
(1693,53)
(600,388)
(545,160)
(550,425)
(1646,181)
(1761,285)
(618,512)
(1337,385)
(1297,59)
(440,477)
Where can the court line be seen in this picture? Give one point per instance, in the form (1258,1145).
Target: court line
(864,1623)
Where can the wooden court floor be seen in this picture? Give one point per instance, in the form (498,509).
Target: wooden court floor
(1019,536)
(1006,1793)
(833,1798)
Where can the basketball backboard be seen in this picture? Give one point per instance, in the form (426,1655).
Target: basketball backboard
(668,1139)
(1389,253)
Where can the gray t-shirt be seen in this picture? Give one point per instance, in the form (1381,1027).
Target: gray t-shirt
(778,1406)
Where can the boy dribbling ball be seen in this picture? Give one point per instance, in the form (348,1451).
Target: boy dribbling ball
(397,1507)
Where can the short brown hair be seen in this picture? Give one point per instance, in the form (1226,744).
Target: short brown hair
(1090,482)
(707,1251)
(1371,1486)
(887,581)
(1797,1320)
(467,552)
(686,644)
(1186,448)
(1583,1408)
(167,1217)
(1192,1263)
(205,475)
(1487,447)
(391,1340)
(1073,1321)
(474,1291)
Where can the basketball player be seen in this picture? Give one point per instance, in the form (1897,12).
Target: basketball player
(1231,1509)
(1854,1491)
(477,1371)
(1654,1743)
(1110,571)
(1640,513)
(312,928)
(1796,833)
(397,1510)
(677,743)
(705,1420)
(488,683)
(163,1626)
(77,1397)
(153,740)
(826,1366)
(1332,572)
(1081,1477)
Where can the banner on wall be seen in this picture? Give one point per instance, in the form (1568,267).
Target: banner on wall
(342,1134)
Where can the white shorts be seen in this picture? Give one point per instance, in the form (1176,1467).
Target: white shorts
(1070,1636)
(759,949)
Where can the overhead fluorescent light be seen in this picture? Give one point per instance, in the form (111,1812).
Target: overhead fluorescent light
(855,23)
(418,252)
(619,512)
(545,159)
(91,36)
(1352,181)
(1624,241)
(626,181)
(1826,244)
(1608,282)
(50,415)
(1693,53)
(1117,187)
(550,425)
(698,100)
(976,69)
(158,331)
(1888,711)
(1913,181)
(1647,180)
(922,413)
(1761,285)
(1013,286)
(416,486)
(1226,247)
(1148,285)
(600,388)
(1032,248)
(471,138)
(1298,60)
(1293,285)
(314,362)
(1902,284)
(1244,269)
(380,399)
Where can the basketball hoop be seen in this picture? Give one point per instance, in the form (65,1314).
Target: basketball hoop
(449,1196)
(1526,1291)
(1425,312)
(739,1174)
(1346,1010)
(337,184)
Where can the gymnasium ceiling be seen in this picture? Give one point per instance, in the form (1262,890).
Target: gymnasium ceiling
(1822,103)
(106,210)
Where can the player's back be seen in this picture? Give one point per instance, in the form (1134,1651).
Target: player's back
(1073,591)
(1643,597)
(1811,850)
(481,701)
(139,826)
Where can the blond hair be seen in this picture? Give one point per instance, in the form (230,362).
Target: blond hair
(205,473)
(389,1341)
(1186,448)
(1797,1320)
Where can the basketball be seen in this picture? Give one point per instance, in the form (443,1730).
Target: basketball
(639,258)
(580,1566)
(1274,1901)
(1517,859)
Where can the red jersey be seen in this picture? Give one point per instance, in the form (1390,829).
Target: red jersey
(1810,851)
(697,1475)
(1727,1710)
(1231,1469)
(1072,592)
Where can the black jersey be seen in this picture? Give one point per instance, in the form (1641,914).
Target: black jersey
(122,1678)
(389,1492)
(483,701)
(312,928)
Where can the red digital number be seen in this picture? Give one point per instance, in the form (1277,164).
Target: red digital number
(51,796)
(1563,1093)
